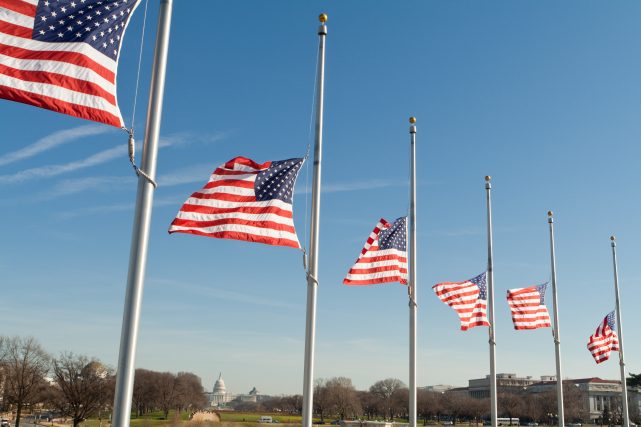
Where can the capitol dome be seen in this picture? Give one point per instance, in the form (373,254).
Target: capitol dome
(219,385)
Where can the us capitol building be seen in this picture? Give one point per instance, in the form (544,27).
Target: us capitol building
(220,397)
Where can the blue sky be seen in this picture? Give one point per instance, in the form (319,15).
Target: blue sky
(543,96)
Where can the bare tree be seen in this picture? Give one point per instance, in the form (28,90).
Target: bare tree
(25,364)
(322,401)
(165,384)
(384,390)
(428,404)
(369,403)
(83,386)
(190,393)
(145,394)
(510,404)
(343,397)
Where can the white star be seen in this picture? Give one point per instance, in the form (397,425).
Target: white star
(54,13)
(60,34)
(63,9)
(73,4)
(42,32)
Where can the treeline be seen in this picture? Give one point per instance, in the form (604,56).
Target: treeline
(77,387)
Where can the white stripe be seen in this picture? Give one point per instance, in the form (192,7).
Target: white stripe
(228,189)
(384,252)
(16,18)
(33,2)
(60,93)
(365,265)
(58,67)
(83,48)
(194,216)
(266,232)
(240,167)
(243,177)
(380,275)
(222,204)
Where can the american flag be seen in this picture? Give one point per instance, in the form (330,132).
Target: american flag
(383,259)
(244,200)
(468,299)
(604,340)
(528,307)
(62,55)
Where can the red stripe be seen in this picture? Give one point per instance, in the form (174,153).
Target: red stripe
(208,210)
(246,162)
(243,236)
(230,183)
(19,6)
(224,221)
(222,171)
(375,281)
(61,80)
(74,58)
(15,30)
(390,257)
(377,269)
(224,196)
(54,104)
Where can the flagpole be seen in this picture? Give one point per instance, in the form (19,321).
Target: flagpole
(142,221)
(490,299)
(624,388)
(312,272)
(412,274)
(557,328)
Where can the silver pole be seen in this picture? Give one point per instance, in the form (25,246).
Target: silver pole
(412,274)
(312,272)
(142,220)
(557,328)
(624,388)
(490,303)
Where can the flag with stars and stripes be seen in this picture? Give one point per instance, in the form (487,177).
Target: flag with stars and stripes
(383,259)
(62,55)
(528,307)
(468,299)
(244,200)
(604,340)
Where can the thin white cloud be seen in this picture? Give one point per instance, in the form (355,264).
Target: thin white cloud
(117,207)
(55,170)
(371,184)
(101,157)
(52,141)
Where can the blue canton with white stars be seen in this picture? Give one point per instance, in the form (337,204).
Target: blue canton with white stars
(481,283)
(394,237)
(541,289)
(277,181)
(98,23)
(611,321)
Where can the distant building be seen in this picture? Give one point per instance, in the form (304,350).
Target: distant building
(438,388)
(505,383)
(220,396)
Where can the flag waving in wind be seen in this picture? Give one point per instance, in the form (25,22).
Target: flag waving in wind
(244,200)
(604,340)
(383,259)
(62,55)
(528,307)
(468,299)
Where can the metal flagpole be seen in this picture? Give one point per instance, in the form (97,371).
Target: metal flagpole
(312,271)
(557,328)
(412,274)
(490,300)
(142,220)
(624,388)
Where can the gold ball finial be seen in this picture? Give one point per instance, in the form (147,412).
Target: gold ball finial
(322,18)
(488,178)
(413,120)
(550,213)
(613,238)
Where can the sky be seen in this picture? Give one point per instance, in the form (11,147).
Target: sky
(543,96)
